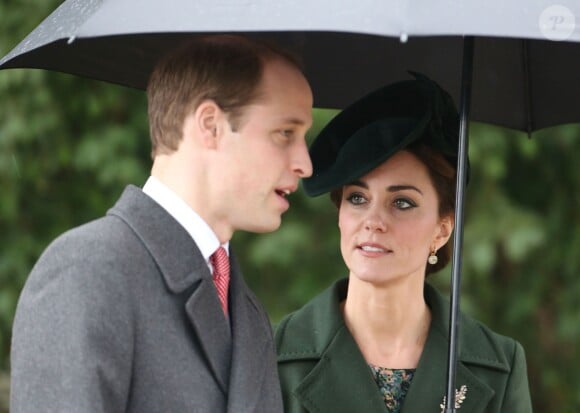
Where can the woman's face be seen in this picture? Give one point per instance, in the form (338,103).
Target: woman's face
(389,221)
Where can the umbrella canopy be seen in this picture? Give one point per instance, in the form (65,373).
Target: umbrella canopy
(348,47)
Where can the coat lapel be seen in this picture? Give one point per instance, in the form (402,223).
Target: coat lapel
(428,386)
(212,329)
(252,341)
(341,381)
(185,273)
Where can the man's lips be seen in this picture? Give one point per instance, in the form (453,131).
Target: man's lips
(283,192)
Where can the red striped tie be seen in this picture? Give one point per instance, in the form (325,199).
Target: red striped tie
(221,276)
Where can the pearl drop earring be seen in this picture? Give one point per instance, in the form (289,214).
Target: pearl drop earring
(433,257)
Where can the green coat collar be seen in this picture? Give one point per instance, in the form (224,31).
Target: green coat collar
(340,380)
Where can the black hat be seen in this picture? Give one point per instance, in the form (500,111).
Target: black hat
(374,128)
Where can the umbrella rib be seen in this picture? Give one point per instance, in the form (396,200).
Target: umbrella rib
(465,106)
(525,45)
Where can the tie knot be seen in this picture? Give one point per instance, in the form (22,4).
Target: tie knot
(220,262)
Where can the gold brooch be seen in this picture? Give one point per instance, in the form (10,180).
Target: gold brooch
(459,398)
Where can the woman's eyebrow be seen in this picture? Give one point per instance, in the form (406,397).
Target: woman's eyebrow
(391,188)
(396,188)
(362,184)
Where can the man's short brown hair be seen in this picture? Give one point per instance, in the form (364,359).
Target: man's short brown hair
(224,68)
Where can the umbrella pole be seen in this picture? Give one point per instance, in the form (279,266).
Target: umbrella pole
(465,103)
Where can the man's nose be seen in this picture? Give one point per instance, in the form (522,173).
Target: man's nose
(302,165)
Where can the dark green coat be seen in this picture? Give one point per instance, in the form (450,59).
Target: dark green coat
(322,369)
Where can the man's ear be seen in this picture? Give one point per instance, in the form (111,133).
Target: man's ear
(207,121)
(446,225)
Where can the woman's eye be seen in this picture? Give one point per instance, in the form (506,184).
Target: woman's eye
(402,203)
(356,199)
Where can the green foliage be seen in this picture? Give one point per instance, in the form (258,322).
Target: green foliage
(68,146)
(54,145)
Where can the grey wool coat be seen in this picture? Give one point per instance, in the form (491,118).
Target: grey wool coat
(121,315)
(322,369)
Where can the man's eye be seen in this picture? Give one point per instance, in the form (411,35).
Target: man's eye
(287,133)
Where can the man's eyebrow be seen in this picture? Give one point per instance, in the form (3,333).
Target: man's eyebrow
(294,121)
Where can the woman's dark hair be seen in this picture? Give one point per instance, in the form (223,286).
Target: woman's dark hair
(442,174)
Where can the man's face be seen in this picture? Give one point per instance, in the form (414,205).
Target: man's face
(264,159)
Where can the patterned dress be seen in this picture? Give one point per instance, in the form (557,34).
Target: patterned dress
(393,384)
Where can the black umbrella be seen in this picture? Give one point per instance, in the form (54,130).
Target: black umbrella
(521,79)
(505,55)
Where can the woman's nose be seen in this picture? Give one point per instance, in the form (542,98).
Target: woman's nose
(374,222)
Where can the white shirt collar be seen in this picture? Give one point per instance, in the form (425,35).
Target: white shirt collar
(206,240)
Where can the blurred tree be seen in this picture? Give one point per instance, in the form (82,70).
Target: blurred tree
(68,146)
(522,244)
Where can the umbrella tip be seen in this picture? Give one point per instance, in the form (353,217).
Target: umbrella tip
(404,37)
